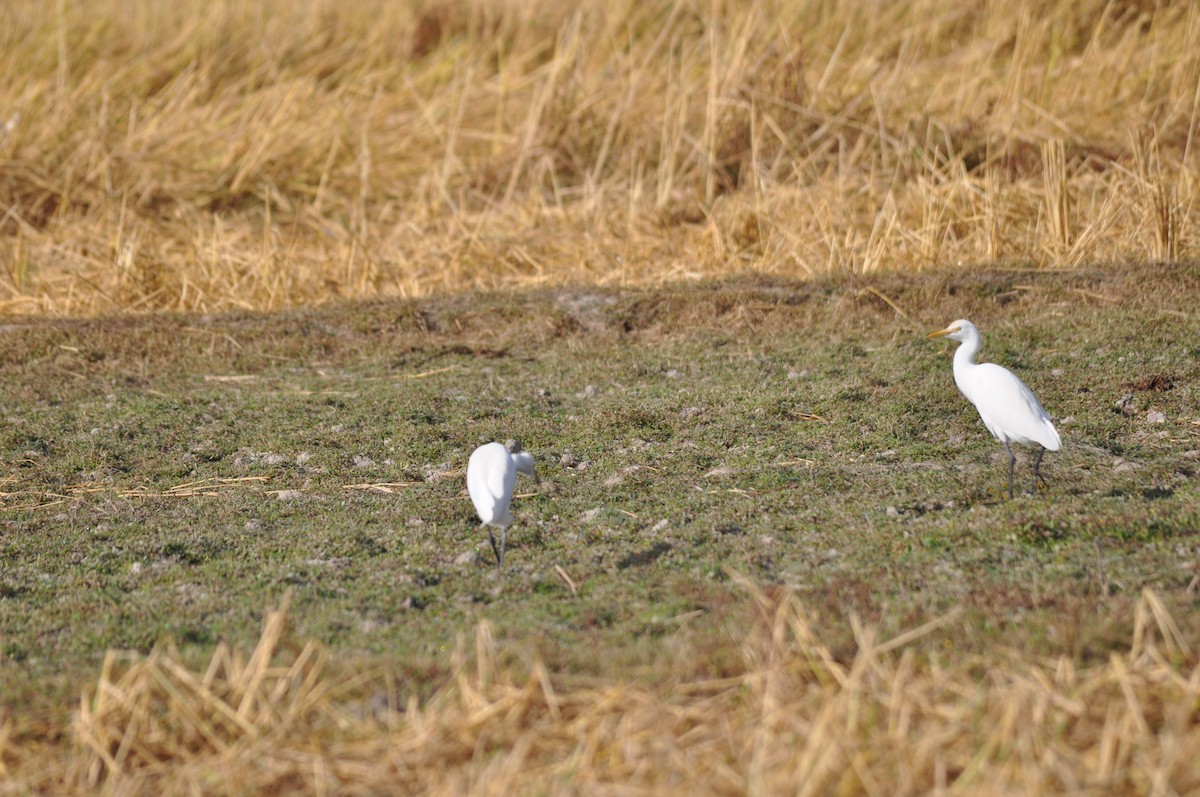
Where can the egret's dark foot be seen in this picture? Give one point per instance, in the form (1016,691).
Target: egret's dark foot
(496,549)
(1038,479)
(1012,463)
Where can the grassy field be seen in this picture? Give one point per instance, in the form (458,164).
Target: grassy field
(175,475)
(208,156)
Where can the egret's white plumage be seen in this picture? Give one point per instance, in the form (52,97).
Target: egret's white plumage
(491,479)
(1007,406)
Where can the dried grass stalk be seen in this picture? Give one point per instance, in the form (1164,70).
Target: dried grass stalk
(202,156)
(794,719)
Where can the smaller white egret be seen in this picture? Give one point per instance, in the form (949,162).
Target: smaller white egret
(491,478)
(1007,406)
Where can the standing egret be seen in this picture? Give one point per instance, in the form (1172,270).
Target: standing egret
(491,478)
(1008,408)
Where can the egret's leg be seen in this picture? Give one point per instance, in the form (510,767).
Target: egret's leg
(498,551)
(503,543)
(1037,463)
(1012,461)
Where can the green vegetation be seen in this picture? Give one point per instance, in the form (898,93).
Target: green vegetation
(172,476)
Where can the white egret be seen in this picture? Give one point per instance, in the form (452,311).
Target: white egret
(491,478)
(1007,406)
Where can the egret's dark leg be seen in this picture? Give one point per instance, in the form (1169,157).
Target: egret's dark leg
(1012,462)
(498,551)
(1037,463)
(503,543)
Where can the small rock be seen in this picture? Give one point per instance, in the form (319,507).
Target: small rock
(587,392)
(690,412)
(254,524)
(288,495)
(467,557)
(244,456)
(1154,416)
(614,480)
(363,461)
(893,511)
(590,514)
(1124,466)
(435,473)
(1124,405)
(722,470)
(660,525)
(303,458)
(568,460)
(672,374)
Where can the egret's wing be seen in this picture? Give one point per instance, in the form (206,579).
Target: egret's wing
(1009,409)
(491,479)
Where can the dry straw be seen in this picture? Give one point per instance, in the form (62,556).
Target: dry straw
(792,719)
(204,155)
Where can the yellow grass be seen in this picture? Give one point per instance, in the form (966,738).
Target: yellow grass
(209,154)
(792,719)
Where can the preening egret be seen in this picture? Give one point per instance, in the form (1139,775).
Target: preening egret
(1008,408)
(491,478)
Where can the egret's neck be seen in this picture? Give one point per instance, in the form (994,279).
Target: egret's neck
(523,461)
(967,351)
(964,360)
